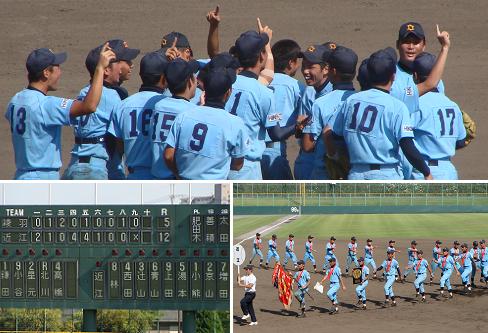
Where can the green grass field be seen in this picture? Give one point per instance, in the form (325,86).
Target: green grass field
(419,226)
(252,222)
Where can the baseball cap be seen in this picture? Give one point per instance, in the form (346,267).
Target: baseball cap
(456,242)
(414,242)
(310,236)
(273,236)
(224,59)
(248,268)
(438,242)
(391,52)
(178,71)
(258,234)
(464,245)
(344,60)
(475,243)
(39,59)
(249,44)
(369,240)
(317,54)
(482,241)
(332,259)
(380,67)
(390,252)
(168,40)
(423,64)
(300,262)
(445,249)
(153,63)
(420,252)
(363,76)
(413,28)
(122,51)
(332,238)
(361,259)
(391,241)
(291,235)
(353,238)
(217,81)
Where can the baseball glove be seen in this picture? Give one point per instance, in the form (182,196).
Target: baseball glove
(470,126)
(338,169)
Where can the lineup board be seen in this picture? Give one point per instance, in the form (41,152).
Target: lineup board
(118,257)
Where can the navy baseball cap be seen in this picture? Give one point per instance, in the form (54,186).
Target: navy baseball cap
(391,52)
(153,63)
(224,59)
(456,242)
(475,243)
(273,236)
(38,60)
(414,242)
(317,54)
(380,67)
(423,64)
(248,268)
(291,235)
(300,262)
(353,238)
(178,71)
(369,240)
(332,259)
(249,44)
(168,40)
(310,237)
(343,60)
(258,234)
(122,51)
(445,249)
(361,259)
(332,238)
(390,252)
(411,28)
(218,81)
(438,242)
(94,55)
(420,252)
(363,76)
(482,241)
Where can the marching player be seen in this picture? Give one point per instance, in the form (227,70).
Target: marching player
(391,267)
(256,249)
(436,254)
(330,248)
(454,252)
(475,253)
(361,288)
(290,251)
(352,251)
(308,252)
(272,251)
(466,260)
(412,257)
(420,266)
(483,261)
(333,274)
(391,247)
(302,278)
(368,256)
(447,265)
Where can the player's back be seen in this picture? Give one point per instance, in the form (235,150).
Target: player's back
(96,124)
(164,114)
(372,123)
(206,139)
(35,126)
(437,126)
(131,122)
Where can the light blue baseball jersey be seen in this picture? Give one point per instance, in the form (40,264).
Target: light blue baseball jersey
(466,259)
(196,99)
(334,274)
(131,123)
(364,272)
(352,249)
(206,139)
(484,256)
(290,245)
(164,114)
(447,263)
(390,267)
(436,252)
(257,242)
(372,124)
(310,94)
(254,104)
(35,123)
(368,252)
(272,245)
(302,278)
(324,111)
(438,124)
(287,92)
(308,247)
(412,255)
(420,266)
(96,124)
(454,253)
(329,249)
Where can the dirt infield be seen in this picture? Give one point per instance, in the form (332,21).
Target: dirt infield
(463,312)
(364,25)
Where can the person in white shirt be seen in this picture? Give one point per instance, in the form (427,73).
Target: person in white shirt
(249,283)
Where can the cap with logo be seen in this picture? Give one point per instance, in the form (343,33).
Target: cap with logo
(423,64)
(38,60)
(411,28)
(181,42)
(317,54)
(153,63)
(122,51)
(249,44)
(343,60)
(178,71)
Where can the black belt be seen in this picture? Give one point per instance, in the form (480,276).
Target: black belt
(40,169)
(84,159)
(433,163)
(375,167)
(95,140)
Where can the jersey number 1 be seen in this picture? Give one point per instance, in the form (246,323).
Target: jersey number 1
(449,114)
(370,109)
(20,123)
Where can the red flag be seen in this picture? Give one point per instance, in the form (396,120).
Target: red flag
(283,282)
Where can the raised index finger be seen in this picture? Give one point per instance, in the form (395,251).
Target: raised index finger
(217,10)
(174,42)
(438,31)
(260,26)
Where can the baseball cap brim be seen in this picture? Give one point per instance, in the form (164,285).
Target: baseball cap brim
(59,58)
(194,66)
(128,54)
(414,33)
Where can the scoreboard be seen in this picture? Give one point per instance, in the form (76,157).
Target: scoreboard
(115,256)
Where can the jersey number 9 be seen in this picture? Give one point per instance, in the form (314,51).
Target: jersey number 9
(199,134)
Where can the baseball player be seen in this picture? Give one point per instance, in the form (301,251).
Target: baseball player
(330,248)
(290,251)
(466,260)
(447,265)
(302,278)
(131,119)
(438,125)
(287,92)
(412,257)
(368,256)
(454,252)
(436,254)
(352,251)
(272,251)
(475,252)
(315,71)
(375,126)
(36,119)
(342,69)
(309,252)
(420,266)
(392,268)
(126,66)
(391,247)
(333,274)
(198,147)
(256,249)
(483,261)
(181,82)
(361,288)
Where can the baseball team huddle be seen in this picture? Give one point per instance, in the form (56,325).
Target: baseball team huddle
(462,260)
(229,116)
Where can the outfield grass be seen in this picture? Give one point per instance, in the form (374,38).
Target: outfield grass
(252,222)
(427,226)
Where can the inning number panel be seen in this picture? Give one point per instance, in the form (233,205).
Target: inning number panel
(131,257)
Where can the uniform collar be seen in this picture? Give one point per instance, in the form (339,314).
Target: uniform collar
(180,97)
(343,86)
(321,87)
(405,68)
(249,74)
(383,90)
(152,88)
(215,104)
(35,89)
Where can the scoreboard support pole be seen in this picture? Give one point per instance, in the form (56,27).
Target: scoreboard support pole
(89,320)
(189,321)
